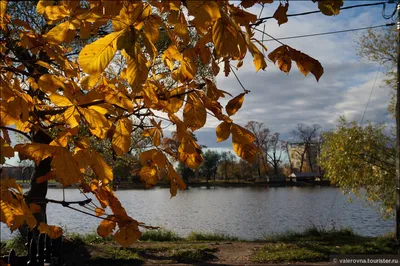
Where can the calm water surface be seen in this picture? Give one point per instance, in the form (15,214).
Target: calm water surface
(247,213)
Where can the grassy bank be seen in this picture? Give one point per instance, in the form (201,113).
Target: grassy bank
(163,247)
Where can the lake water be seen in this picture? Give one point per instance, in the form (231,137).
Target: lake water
(248,213)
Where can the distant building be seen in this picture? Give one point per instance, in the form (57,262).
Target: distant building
(305,176)
(19,172)
(302,160)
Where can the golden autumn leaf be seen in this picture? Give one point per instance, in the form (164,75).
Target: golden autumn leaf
(241,135)
(307,64)
(127,234)
(223,131)
(97,122)
(95,57)
(52,231)
(153,133)
(149,175)
(60,33)
(228,40)
(235,104)
(106,228)
(136,70)
(204,12)
(101,168)
(99,211)
(194,113)
(121,140)
(35,151)
(59,100)
(65,168)
(72,117)
(50,83)
(247,152)
(176,181)
(330,7)
(283,57)
(280,14)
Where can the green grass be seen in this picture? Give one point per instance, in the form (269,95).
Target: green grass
(317,245)
(116,253)
(197,236)
(17,243)
(89,238)
(160,235)
(193,255)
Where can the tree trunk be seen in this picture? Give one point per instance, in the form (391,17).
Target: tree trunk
(38,191)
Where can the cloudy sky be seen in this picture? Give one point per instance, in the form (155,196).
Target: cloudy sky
(281,101)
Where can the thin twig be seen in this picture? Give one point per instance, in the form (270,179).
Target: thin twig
(17,131)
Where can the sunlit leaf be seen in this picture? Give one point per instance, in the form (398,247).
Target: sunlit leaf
(223,131)
(121,141)
(235,104)
(52,231)
(95,57)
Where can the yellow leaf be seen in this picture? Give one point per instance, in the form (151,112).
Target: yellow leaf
(106,228)
(52,231)
(72,116)
(259,61)
(65,168)
(128,234)
(175,100)
(121,141)
(60,100)
(330,7)
(58,34)
(35,151)
(280,13)
(95,57)
(97,122)
(136,71)
(246,151)
(204,12)
(241,135)
(175,181)
(228,41)
(153,133)
(194,113)
(99,212)
(50,83)
(149,175)
(223,131)
(101,168)
(235,104)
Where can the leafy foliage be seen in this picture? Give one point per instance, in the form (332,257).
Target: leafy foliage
(358,158)
(122,80)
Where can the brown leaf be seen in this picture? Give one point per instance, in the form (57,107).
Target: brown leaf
(281,13)
(330,7)
(235,104)
(223,131)
(105,228)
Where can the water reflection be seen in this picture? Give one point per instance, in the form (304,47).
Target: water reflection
(247,213)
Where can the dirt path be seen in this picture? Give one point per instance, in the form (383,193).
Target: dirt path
(235,253)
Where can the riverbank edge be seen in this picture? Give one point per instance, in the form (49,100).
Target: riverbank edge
(166,247)
(126,186)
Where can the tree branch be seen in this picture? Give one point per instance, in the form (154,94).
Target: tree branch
(17,131)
